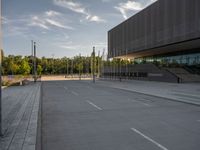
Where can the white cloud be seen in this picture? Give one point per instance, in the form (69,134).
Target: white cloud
(73,6)
(78,8)
(52,13)
(47,20)
(129,6)
(58,24)
(12,30)
(13,27)
(38,22)
(95,19)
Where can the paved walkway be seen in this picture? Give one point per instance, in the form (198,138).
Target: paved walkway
(80,115)
(20,106)
(185,92)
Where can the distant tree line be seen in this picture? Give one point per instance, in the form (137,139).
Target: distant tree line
(23,65)
(19,65)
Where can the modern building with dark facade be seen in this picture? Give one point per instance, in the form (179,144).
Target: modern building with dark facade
(163,40)
(167,30)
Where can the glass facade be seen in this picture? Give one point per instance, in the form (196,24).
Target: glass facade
(185,59)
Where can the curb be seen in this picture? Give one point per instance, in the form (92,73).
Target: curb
(171,99)
(4,87)
(159,96)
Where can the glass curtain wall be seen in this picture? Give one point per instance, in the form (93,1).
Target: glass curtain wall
(187,59)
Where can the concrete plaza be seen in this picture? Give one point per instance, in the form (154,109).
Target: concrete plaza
(80,115)
(107,115)
(184,92)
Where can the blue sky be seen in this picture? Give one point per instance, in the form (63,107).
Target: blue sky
(63,27)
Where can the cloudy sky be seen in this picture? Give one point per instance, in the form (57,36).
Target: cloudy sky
(63,27)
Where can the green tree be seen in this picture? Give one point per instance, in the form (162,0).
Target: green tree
(14,68)
(25,67)
(39,70)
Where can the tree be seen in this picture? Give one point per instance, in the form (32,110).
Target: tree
(24,67)
(13,68)
(39,70)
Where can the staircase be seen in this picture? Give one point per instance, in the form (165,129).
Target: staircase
(193,69)
(184,75)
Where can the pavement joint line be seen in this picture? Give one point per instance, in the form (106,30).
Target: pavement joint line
(65,88)
(146,104)
(73,92)
(30,117)
(149,139)
(94,105)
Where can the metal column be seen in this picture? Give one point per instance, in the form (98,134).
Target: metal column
(93,64)
(35,68)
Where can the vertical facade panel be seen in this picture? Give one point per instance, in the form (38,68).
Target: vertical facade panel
(162,23)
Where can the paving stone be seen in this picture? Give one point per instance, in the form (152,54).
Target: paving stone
(21,127)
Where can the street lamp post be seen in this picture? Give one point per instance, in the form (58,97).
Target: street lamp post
(67,68)
(72,68)
(35,69)
(32,57)
(79,67)
(93,64)
(1,133)
(53,68)
(102,64)
(99,64)
(120,70)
